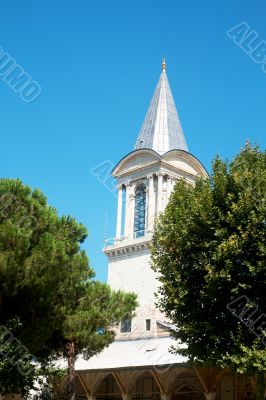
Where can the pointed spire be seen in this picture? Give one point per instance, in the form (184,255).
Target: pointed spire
(161,130)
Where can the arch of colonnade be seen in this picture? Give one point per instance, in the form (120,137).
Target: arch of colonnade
(172,383)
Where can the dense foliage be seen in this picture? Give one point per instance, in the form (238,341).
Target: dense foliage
(209,248)
(47,288)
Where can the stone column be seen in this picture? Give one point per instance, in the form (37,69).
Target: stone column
(119,212)
(131,211)
(165,396)
(151,204)
(160,193)
(126,396)
(210,395)
(168,188)
(173,184)
(127,211)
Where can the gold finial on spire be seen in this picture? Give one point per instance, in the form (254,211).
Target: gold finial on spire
(164,65)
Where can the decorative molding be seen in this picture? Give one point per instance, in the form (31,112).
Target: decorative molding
(124,249)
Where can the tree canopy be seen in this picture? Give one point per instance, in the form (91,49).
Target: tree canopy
(209,251)
(50,303)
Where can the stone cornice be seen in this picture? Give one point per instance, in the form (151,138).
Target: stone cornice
(127,247)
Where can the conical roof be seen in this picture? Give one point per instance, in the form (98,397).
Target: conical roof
(161,130)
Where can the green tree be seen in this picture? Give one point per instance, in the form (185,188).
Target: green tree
(47,286)
(16,367)
(88,324)
(19,372)
(209,250)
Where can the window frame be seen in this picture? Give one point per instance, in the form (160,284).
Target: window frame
(148,324)
(126,326)
(140,210)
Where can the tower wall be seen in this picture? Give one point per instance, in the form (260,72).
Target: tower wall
(146,178)
(128,253)
(133,273)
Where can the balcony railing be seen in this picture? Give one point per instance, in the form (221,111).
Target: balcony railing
(137,235)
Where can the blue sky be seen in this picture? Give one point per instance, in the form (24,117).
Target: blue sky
(98,63)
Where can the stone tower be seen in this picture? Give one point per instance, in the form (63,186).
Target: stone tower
(145,179)
(138,364)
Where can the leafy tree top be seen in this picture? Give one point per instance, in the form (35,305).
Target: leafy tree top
(47,287)
(209,250)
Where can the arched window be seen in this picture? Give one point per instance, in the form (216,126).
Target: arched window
(140,210)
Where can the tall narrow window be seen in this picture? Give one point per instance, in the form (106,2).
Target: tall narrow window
(126,325)
(148,324)
(140,211)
